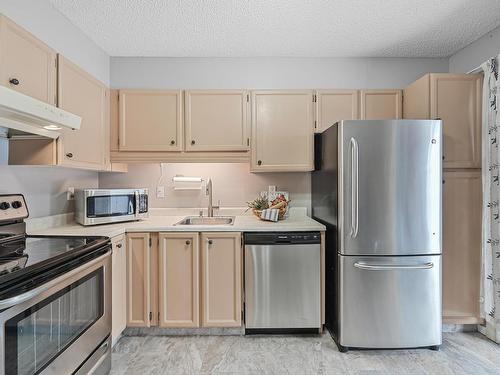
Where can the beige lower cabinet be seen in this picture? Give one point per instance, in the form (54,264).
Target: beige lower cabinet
(221,279)
(335,105)
(381,104)
(119,287)
(282,131)
(461,246)
(139,312)
(179,280)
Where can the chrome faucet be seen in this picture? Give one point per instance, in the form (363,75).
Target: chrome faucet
(210,203)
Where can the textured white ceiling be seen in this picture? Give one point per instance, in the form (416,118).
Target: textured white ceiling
(312,28)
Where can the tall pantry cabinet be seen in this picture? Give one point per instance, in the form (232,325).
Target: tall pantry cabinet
(456,100)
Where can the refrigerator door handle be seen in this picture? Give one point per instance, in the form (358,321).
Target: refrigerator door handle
(354,187)
(385,267)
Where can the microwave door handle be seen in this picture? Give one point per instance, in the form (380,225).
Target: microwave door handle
(136,194)
(354,187)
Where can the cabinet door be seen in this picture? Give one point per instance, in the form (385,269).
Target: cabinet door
(221,279)
(83,95)
(456,99)
(381,104)
(282,131)
(416,99)
(461,246)
(179,280)
(216,120)
(119,287)
(150,120)
(335,105)
(113,120)
(27,65)
(138,280)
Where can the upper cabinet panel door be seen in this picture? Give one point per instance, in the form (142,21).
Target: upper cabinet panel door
(113,120)
(150,120)
(179,280)
(416,99)
(216,120)
(85,96)
(221,279)
(27,65)
(381,104)
(335,105)
(456,99)
(282,131)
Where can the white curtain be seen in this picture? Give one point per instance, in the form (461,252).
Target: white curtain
(490,273)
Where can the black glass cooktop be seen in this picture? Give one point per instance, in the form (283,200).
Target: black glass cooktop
(34,253)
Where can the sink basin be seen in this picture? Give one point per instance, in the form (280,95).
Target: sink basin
(199,220)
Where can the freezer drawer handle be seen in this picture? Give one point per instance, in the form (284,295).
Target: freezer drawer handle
(354,187)
(385,267)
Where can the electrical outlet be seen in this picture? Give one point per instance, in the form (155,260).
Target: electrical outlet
(70,193)
(160,192)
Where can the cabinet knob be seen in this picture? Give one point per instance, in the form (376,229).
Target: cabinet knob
(210,242)
(259,162)
(193,142)
(188,242)
(119,246)
(69,155)
(14,81)
(172,142)
(443,157)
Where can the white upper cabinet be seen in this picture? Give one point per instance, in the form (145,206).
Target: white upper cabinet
(335,105)
(216,120)
(282,130)
(150,120)
(381,104)
(27,65)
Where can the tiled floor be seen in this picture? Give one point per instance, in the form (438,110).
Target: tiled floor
(461,353)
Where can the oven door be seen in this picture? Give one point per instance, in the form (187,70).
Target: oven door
(59,326)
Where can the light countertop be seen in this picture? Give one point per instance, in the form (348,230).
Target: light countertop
(164,220)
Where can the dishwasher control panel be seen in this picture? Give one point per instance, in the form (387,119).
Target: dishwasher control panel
(269,238)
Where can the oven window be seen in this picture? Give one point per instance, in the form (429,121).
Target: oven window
(35,337)
(110,205)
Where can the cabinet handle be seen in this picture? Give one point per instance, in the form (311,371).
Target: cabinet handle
(14,81)
(210,242)
(193,142)
(69,155)
(172,142)
(188,242)
(119,246)
(259,162)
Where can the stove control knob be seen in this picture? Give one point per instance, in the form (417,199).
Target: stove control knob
(17,204)
(4,205)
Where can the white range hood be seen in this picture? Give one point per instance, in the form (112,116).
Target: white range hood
(26,114)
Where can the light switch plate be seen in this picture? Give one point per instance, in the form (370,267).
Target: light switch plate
(160,192)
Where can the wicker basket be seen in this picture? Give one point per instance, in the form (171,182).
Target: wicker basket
(281,215)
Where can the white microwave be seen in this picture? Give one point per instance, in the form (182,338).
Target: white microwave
(104,206)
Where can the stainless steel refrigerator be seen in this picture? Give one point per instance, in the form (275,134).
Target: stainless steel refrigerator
(377,187)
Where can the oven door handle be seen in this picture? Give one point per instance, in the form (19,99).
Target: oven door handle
(16,300)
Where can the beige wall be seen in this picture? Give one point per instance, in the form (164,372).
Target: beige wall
(233,183)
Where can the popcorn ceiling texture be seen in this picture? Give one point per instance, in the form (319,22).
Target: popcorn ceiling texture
(293,28)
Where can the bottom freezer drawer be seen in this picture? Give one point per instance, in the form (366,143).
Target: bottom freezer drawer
(390,302)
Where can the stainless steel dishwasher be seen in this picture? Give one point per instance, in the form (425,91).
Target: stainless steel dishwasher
(282,282)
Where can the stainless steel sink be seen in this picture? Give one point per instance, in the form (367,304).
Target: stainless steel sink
(199,220)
